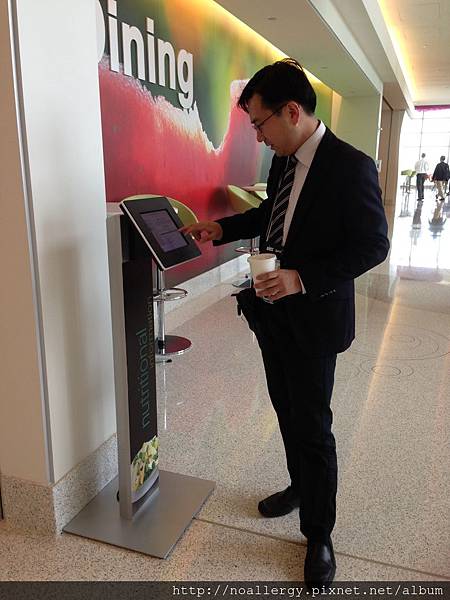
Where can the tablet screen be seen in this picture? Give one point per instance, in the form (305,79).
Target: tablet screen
(164,229)
(158,225)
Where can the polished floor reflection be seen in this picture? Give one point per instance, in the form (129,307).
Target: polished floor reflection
(422,236)
(391,407)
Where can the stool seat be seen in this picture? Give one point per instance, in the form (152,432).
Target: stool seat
(242,200)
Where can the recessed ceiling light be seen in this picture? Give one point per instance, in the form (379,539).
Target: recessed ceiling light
(271,18)
(324,67)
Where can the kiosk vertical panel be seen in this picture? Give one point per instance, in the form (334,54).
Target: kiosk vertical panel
(134,362)
(143,509)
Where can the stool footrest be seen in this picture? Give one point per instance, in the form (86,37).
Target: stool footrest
(170,294)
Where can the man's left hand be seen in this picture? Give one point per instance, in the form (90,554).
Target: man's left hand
(277,284)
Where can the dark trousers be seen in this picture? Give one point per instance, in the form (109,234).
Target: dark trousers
(420,180)
(300,389)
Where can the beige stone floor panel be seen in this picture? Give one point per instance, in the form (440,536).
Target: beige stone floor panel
(206,552)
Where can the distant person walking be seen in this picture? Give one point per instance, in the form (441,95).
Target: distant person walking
(421,169)
(440,177)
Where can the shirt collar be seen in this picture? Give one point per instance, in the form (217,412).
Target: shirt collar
(305,153)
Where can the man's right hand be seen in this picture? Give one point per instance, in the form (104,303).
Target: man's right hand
(204,231)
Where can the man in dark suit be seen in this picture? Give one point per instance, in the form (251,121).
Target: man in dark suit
(324,239)
(441,175)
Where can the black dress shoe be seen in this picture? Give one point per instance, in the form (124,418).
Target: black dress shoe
(279,504)
(320,564)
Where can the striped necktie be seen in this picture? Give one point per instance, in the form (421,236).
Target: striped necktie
(275,230)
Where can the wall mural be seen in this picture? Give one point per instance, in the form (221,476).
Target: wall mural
(170,73)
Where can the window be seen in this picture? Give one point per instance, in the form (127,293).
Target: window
(427,131)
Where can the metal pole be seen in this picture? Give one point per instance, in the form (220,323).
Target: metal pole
(161,339)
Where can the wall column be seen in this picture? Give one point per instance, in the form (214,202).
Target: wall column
(57,419)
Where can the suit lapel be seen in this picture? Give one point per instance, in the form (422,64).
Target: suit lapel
(312,187)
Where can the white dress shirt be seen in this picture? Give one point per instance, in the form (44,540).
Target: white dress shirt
(421,166)
(304,155)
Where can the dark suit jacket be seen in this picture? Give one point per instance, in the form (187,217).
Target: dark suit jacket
(441,172)
(338,232)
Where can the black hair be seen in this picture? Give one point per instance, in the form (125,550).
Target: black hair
(442,158)
(281,82)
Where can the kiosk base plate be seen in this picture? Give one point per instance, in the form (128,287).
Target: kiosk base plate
(156,527)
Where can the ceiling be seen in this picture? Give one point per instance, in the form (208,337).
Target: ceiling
(417,69)
(422,30)
(297,29)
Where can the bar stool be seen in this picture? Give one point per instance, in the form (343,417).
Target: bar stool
(409,174)
(406,189)
(241,201)
(167,346)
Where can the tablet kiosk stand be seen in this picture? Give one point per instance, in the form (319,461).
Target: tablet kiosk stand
(151,519)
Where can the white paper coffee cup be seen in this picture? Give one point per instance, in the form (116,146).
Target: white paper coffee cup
(261,263)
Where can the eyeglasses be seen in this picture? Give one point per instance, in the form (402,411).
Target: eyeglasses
(258,126)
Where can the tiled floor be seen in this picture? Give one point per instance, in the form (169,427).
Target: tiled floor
(391,407)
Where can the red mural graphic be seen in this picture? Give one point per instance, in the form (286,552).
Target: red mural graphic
(151,146)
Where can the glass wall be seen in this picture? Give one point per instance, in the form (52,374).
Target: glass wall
(421,240)
(428,131)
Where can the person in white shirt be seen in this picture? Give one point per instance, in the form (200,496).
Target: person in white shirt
(421,169)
